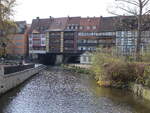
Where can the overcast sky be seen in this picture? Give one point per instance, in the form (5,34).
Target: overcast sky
(29,9)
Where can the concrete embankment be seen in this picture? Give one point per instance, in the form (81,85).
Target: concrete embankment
(9,81)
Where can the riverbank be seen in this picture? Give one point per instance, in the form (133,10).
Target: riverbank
(11,80)
(137,89)
(140,90)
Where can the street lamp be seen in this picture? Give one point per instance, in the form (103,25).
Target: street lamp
(4,49)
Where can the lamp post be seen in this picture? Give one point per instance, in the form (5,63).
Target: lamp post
(4,49)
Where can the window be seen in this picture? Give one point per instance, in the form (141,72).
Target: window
(76,27)
(30,42)
(35,35)
(94,27)
(19,44)
(68,41)
(36,42)
(118,34)
(81,27)
(43,42)
(18,38)
(42,35)
(18,49)
(84,58)
(129,33)
(88,27)
(30,36)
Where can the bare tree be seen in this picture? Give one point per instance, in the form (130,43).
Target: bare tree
(7,26)
(138,9)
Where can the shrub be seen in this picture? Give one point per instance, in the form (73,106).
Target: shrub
(110,67)
(144,79)
(146,57)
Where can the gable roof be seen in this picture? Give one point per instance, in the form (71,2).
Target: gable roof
(40,25)
(58,24)
(21,27)
(107,24)
(74,20)
(90,21)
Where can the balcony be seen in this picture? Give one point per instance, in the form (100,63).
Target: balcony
(37,51)
(87,44)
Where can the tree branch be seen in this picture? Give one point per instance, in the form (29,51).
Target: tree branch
(129,2)
(126,10)
(144,3)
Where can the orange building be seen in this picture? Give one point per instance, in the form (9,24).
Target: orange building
(18,43)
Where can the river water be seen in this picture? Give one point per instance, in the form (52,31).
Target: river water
(56,90)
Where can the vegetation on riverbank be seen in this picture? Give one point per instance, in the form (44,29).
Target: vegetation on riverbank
(76,69)
(113,70)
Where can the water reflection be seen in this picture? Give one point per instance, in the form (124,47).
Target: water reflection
(59,91)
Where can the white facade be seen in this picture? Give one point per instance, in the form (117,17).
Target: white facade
(126,41)
(85,58)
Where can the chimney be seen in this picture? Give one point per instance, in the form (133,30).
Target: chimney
(69,17)
(37,18)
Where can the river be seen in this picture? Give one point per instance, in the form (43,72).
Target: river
(56,90)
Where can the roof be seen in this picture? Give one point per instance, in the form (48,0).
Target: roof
(107,24)
(40,25)
(87,24)
(21,27)
(74,20)
(90,22)
(86,53)
(58,24)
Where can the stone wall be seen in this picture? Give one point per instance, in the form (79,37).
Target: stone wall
(10,81)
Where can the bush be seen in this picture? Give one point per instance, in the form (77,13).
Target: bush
(110,67)
(146,57)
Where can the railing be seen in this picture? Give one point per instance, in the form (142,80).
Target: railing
(37,68)
(13,69)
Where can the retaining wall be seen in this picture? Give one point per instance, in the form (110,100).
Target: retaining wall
(10,81)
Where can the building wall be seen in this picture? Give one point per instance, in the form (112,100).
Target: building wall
(17,45)
(85,58)
(126,41)
(70,41)
(55,41)
(37,43)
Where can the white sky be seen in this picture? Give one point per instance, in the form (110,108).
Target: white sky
(29,9)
